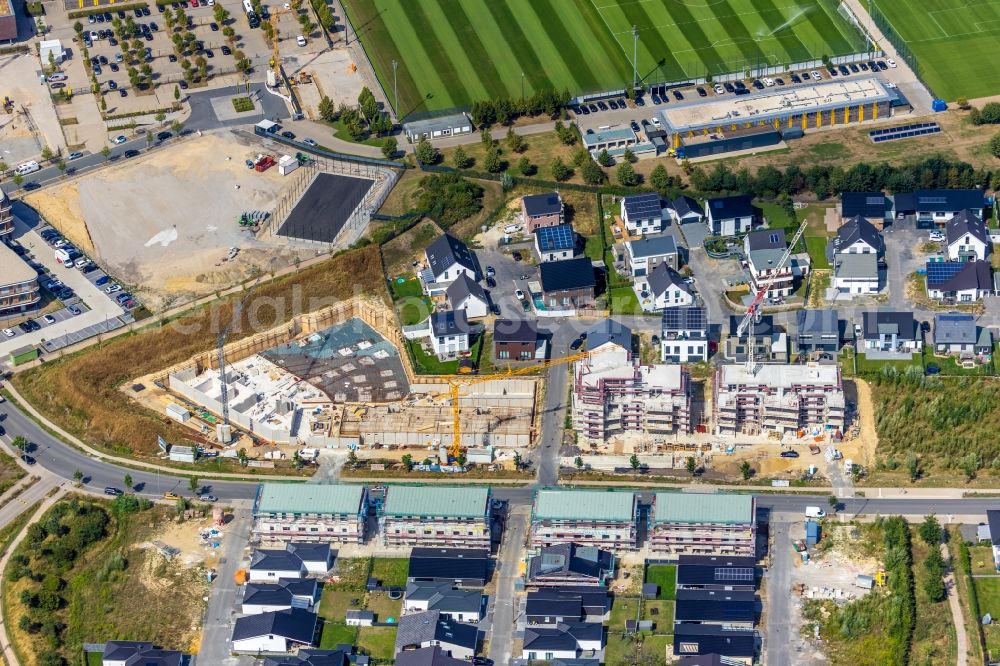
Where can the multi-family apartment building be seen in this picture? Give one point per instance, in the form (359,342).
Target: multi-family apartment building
(684,524)
(613,394)
(436,516)
(284,512)
(6,215)
(605,519)
(777,398)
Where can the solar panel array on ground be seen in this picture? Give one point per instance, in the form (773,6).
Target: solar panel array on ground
(903,132)
(939,272)
(559,237)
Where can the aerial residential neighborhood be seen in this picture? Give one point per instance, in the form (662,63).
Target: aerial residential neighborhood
(549,333)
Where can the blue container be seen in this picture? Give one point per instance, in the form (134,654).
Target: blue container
(939,105)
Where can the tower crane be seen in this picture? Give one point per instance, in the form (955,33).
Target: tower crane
(221,358)
(455,385)
(763,287)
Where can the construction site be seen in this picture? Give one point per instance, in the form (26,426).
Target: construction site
(336,378)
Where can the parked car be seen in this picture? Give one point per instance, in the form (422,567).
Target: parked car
(310,142)
(113,491)
(131,153)
(169,495)
(9,332)
(518,294)
(49,319)
(207,498)
(119,139)
(103,280)
(288,135)
(74,310)
(789,454)
(112,288)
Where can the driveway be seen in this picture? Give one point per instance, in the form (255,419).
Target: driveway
(221,611)
(778,631)
(505,603)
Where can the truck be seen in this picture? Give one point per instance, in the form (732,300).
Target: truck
(264,162)
(814,512)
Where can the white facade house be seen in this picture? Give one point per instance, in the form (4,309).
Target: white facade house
(855,274)
(449,332)
(280,631)
(763,250)
(283,595)
(663,288)
(890,332)
(467,295)
(568,640)
(730,216)
(642,214)
(959,282)
(555,243)
(446,258)
(270,566)
(645,254)
(459,605)
(684,338)
(858,236)
(968,238)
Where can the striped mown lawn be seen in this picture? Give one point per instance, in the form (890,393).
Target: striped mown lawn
(454,52)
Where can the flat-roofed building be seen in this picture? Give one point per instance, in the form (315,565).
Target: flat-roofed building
(285,512)
(701,524)
(18,283)
(584,517)
(437,128)
(436,516)
(777,398)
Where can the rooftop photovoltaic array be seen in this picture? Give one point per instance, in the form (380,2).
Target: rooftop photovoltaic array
(734,574)
(559,237)
(690,318)
(939,272)
(903,132)
(642,206)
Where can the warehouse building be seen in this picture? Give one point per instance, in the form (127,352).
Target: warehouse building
(436,516)
(584,517)
(777,398)
(799,107)
(284,512)
(689,524)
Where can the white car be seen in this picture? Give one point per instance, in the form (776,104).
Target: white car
(300,40)
(111,289)
(8,332)
(768,82)
(936,237)
(655,121)
(815,75)
(49,319)
(119,139)
(58,76)
(890,62)
(719,90)
(519,295)
(310,142)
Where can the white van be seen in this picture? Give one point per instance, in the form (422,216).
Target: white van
(63,257)
(815,512)
(27,167)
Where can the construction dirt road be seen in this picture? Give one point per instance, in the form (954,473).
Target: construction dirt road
(165,223)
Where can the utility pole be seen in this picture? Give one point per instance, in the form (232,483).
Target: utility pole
(635,54)
(522,86)
(395,89)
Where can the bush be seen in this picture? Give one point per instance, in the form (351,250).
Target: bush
(995,145)
(425,152)
(448,198)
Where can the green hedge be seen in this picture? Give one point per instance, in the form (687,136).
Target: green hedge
(84,13)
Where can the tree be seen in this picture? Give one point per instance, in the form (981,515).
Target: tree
(21,444)
(425,152)
(517,460)
(604,158)
(995,145)
(193,484)
(229,33)
(18,180)
(78,28)
(515,142)
(61,165)
(47,153)
(578,461)
(660,179)
(962,103)
(934,568)
(177,92)
(970,464)
(149,138)
(626,175)
(106,151)
(691,465)
(352,458)
(492,161)
(327,110)
(746,470)
(592,173)
(629,156)
(241,455)
(525,167)
(77,475)
(634,462)
(128,481)
(486,137)
(560,171)
(389,147)
(930,530)
(913,465)
(177,126)
(181,506)
(461,159)
(220,14)
(407,461)
(832,501)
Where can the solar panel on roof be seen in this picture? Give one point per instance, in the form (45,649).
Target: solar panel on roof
(555,238)
(874,201)
(734,574)
(942,271)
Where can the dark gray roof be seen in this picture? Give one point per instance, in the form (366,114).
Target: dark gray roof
(858,228)
(310,552)
(586,561)
(571,599)
(939,201)
(953,329)
(714,606)
(449,322)
(967,223)
(562,661)
(685,204)
(420,628)
(817,322)
(865,204)
(567,274)
(556,605)
(440,596)
(118,650)
(993,520)
(272,559)
(293,624)
(685,318)
(355,614)
(956,276)
(470,564)
(764,328)
(555,239)
(725,208)
(705,660)
(662,277)
(609,330)
(311,658)
(280,593)
(766,239)
(694,639)
(900,324)
(565,636)
(643,206)
(515,330)
(463,287)
(653,246)
(445,252)
(542,204)
(140,653)
(429,656)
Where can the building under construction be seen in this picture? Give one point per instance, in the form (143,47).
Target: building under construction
(786,399)
(449,516)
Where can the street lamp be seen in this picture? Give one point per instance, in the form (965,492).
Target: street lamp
(522,86)
(635,53)
(395,89)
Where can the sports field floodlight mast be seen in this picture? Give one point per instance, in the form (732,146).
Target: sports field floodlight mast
(635,53)
(395,89)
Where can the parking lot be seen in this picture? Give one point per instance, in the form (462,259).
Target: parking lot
(84,305)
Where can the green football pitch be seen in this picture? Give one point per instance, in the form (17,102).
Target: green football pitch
(453,52)
(953,41)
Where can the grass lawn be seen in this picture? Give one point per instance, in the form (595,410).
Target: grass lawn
(660,612)
(384,607)
(412,305)
(778,218)
(340,131)
(379,642)
(622,300)
(447,48)
(930,35)
(334,604)
(352,573)
(866,366)
(623,608)
(981,559)
(391,570)
(622,650)
(664,575)
(948,365)
(426,363)
(933,641)
(816,247)
(95,658)
(988,593)
(335,633)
